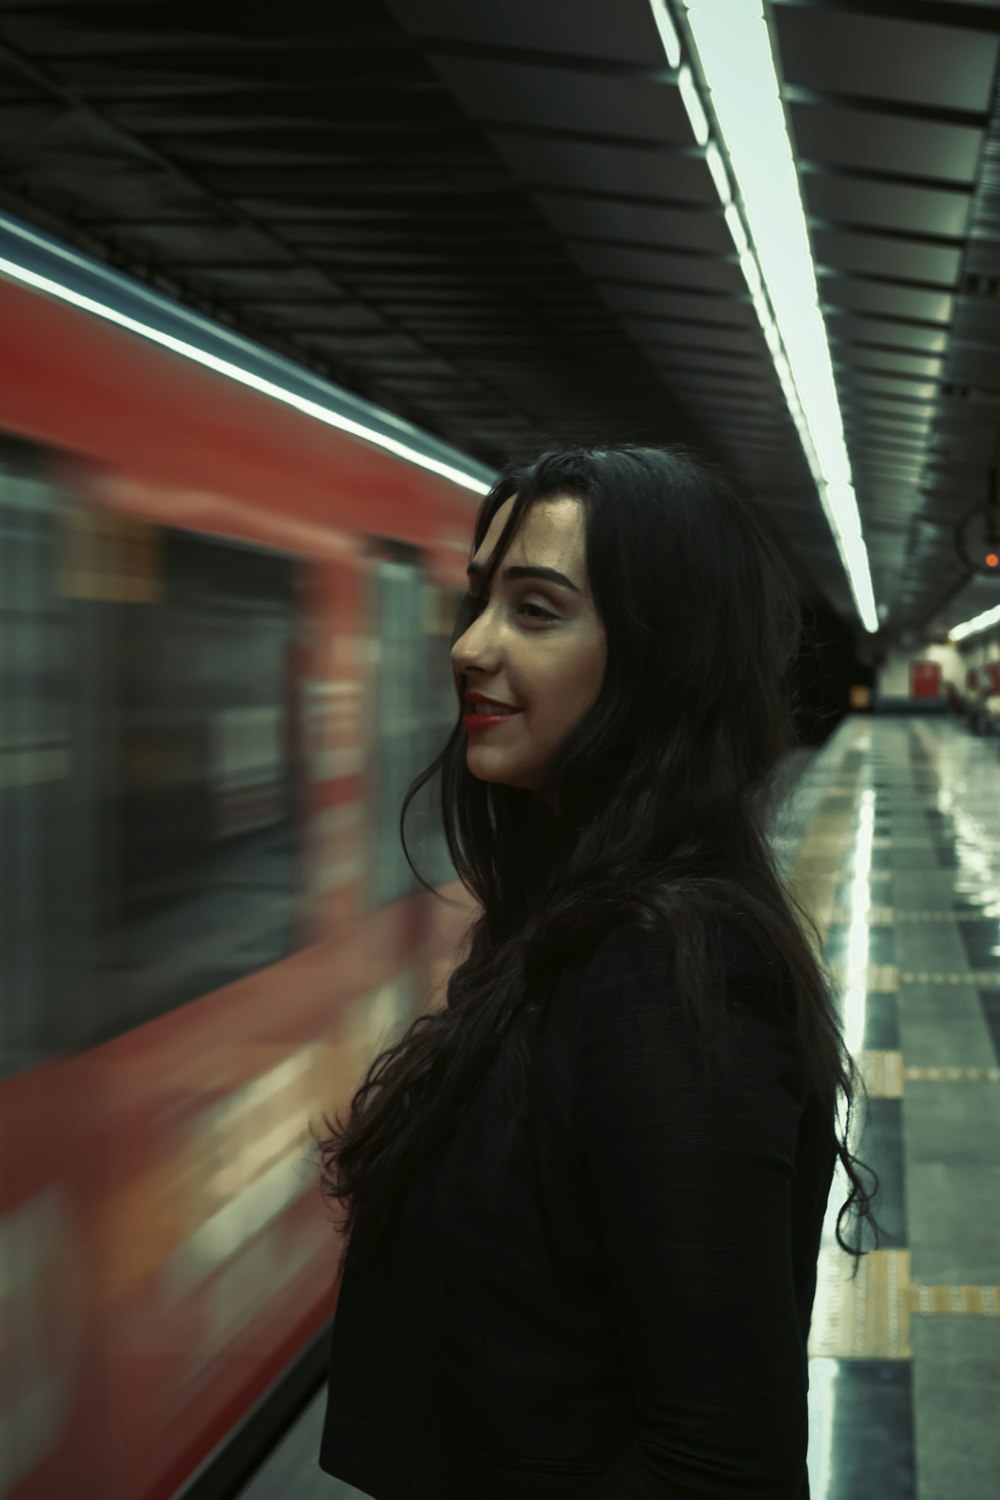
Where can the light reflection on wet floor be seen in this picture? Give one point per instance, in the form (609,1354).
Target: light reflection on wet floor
(905,1367)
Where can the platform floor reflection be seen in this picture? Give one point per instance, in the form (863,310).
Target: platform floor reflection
(899,857)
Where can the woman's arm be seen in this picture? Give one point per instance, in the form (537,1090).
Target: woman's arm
(691,1184)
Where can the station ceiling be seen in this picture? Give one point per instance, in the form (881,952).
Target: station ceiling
(494,219)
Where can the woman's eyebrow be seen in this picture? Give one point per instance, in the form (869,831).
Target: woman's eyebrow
(548,575)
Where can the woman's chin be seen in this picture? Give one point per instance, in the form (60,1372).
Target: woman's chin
(487,766)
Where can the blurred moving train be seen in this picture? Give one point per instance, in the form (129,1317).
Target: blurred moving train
(224,624)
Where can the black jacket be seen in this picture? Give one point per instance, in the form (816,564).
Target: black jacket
(610,1298)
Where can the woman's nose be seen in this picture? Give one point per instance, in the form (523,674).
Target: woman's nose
(476,647)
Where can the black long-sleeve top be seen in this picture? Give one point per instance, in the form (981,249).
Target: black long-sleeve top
(608,1297)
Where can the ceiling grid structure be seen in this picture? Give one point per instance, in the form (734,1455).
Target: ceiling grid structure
(889,109)
(496,220)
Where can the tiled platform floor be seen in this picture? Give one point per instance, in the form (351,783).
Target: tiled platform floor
(896,848)
(892,835)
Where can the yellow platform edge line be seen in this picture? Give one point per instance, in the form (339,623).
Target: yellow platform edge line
(871,1316)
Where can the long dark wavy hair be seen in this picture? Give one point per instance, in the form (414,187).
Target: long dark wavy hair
(656,809)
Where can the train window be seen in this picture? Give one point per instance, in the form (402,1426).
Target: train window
(49,835)
(413,710)
(424,827)
(210,865)
(395,687)
(148,766)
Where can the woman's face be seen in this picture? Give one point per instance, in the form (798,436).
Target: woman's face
(536,644)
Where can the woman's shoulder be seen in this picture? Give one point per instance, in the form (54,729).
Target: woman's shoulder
(635,996)
(634,946)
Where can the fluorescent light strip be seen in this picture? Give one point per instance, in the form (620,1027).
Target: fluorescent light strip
(734,223)
(976,624)
(668,32)
(235,372)
(734,52)
(751,273)
(691,100)
(717,167)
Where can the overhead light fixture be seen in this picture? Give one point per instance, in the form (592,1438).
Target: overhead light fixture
(751,272)
(976,624)
(734,223)
(691,100)
(729,40)
(717,167)
(668,32)
(319,410)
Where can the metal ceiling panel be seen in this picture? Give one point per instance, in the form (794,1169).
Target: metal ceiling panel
(617,261)
(841,199)
(897,145)
(893,360)
(571,100)
(664,334)
(650,224)
(692,306)
(873,56)
(846,328)
(871,294)
(651,173)
(590,31)
(896,257)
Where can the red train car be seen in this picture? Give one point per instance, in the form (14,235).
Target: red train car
(225,597)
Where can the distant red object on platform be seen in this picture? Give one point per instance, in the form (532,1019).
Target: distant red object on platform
(925,679)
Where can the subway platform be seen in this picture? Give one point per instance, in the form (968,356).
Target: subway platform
(895,845)
(892,837)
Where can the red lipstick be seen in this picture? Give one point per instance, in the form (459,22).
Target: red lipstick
(483,713)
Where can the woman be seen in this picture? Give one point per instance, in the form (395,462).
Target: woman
(585,1198)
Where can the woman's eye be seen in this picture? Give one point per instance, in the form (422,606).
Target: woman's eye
(539,612)
(476,602)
